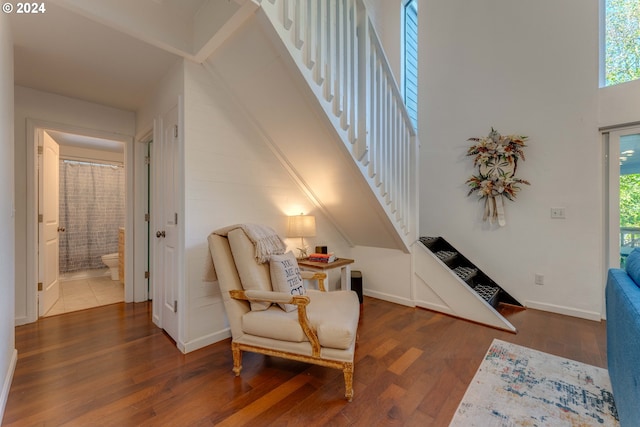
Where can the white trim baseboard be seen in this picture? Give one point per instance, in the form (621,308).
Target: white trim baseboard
(4,396)
(204,341)
(568,311)
(22,320)
(388,297)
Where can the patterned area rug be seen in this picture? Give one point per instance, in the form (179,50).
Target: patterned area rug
(518,386)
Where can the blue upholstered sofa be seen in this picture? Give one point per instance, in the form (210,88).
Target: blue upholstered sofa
(623,338)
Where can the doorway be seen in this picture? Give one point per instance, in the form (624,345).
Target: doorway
(91,200)
(93,140)
(623,194)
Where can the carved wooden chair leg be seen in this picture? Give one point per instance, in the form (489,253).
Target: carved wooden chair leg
(348,381)
(237,359)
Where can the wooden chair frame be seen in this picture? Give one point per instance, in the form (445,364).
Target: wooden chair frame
(301,302)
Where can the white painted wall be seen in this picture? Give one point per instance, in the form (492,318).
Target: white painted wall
(55,109)
(519,68)
(8,353)
(231,176)
(386,273)
(166,95)
(619,104)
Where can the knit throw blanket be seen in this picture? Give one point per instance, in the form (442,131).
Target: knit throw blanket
(264,239)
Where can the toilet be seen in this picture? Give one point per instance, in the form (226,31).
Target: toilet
(111,261)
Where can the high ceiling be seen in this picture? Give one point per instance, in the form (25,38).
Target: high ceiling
(111,52)
(64,53)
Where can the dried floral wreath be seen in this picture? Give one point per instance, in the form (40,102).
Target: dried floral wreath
(497,159)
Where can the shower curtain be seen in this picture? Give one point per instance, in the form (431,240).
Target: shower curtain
(92,208)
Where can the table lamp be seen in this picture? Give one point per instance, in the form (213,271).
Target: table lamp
(301,226)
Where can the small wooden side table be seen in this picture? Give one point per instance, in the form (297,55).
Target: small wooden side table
(344,264)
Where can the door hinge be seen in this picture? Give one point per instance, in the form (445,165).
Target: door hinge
(40,218)
(175,306)
(147,160)
(175,219)
(40,149)
(39,286)
(146,275)
(147,217)
(175,131)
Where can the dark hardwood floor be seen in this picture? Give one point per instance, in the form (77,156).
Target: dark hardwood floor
(110,366)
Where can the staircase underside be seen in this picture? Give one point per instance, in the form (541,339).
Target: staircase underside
(280,105)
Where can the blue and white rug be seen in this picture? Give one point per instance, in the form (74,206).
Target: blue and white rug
(518,386)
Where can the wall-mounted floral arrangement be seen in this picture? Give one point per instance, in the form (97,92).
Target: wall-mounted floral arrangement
(497,159)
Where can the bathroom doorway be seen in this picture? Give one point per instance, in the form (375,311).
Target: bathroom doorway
(66,282)
(91,222)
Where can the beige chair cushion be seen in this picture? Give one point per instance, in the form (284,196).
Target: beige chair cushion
(253,275)
(334,315)
(285,277)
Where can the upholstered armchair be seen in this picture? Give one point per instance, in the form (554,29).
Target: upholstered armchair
(317,327)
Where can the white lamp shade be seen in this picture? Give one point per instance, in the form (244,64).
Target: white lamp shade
(301,226)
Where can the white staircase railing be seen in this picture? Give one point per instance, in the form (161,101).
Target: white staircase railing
(340,55)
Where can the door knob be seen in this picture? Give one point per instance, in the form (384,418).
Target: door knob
(61,229)
(160,234)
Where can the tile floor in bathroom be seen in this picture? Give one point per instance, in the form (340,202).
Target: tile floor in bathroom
(83,293)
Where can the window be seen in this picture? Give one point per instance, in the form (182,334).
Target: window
(621,41)
(410,65)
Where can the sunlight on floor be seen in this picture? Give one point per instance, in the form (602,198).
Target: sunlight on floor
(85,293)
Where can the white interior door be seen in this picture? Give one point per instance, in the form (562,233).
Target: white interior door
(165,270)
(49,174)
